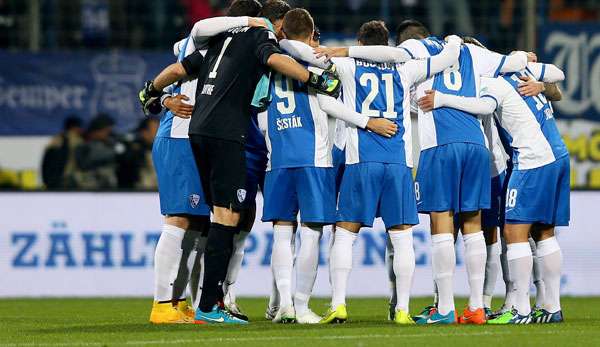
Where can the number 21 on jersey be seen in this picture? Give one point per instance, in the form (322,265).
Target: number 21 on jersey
(372,82)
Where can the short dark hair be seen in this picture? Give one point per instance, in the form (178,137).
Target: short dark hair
(298,24)
(473,41)
(250,8)
(71,122)
(275,9)
(411,29)
(373,33)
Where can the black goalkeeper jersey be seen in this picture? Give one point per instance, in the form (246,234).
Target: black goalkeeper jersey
(227,79)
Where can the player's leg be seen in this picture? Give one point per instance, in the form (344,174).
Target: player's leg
(475,261)
(196,269)
(536,275)
(475,193)
(520,262)
(398,209)
(281,208)
(389,266)
(180,197)
(359,194)
(237,257)
(437,190)
(490,221)
(550,263)
(548,249)
(167,258)
(222,168)
(315,187)
(193,248)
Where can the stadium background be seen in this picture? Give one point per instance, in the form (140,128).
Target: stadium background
(85,57)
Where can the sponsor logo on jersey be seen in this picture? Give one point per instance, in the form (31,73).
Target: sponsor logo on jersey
(207,89)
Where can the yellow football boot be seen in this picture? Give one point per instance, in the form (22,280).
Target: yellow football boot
(403,318)
(339,315)
(165,313)
(186,309)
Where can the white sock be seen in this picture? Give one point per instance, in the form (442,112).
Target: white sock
(235,263)
(307,262)
(509,296)
(329,247)
(282,261)
(475,256)
(166,261)
(403,265)
(389,264)
(520,262)
(491,273)
(341,264)
(538,281)
(443,261)
(550,259)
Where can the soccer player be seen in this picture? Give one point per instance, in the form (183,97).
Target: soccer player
(537,196)
(453,173)
(300,177)
(234,64)
(181,201)
(377,179)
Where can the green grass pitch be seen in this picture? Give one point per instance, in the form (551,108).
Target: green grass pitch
(123,322)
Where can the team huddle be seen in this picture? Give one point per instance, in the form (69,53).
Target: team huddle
(255,102)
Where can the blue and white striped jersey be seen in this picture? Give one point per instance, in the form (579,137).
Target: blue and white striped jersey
(297,130)
(170,125)
(526,122)
(447,125)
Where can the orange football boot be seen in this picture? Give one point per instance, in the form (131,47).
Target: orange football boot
(472,317)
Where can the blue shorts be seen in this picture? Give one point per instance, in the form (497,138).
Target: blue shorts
(371,190)
(179,187)
(256,165)
(339,163)
(309,190)
(494,216)
(540,195)
(453,177)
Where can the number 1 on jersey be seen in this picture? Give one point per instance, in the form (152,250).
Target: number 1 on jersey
(213,73)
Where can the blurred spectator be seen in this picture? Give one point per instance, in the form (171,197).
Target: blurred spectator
(97,157)
(135,169)
(58,162)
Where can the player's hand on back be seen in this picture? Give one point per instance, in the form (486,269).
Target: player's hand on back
(150,99)
(382,126)
(257,22)
(331,52)
(327,83)
(427,102)
(177,105)
(530,87)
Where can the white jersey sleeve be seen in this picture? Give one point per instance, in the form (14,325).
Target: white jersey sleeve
(546,72)
(419,70)
(490,64)
(490,98)
(381,54)
(204,29)
(302,51)
(415,48)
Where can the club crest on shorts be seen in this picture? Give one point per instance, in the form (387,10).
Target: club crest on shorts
(194,200)
(241,195)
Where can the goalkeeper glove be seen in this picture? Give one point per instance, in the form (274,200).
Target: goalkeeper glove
(327,83)
(150,99)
